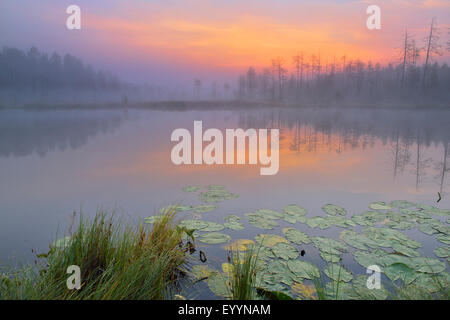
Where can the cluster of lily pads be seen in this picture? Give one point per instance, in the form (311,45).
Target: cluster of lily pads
(281,266)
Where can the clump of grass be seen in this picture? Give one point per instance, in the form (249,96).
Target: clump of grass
(242,283)
(116,260)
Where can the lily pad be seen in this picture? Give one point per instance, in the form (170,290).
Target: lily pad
(213,226)
(320,222)
(337,272)
(191,189)
(239,245)
(194,224)
(442,252)
(285,251)
(356,240)
(379,206)
(303,270)
(205,208)
(271,214)
(360,286)
(234,225)
(444,238)
(296,236)
(403,204)
(219,284)
(216,195)
(202,271)
(269,240)
(214,238)
(400,271)
(428,265)
(334,210)
(261,221)
(407,251)
(329,245)
(304,291)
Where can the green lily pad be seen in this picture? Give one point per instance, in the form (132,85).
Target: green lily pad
(334,210)
(219,284)
(400,271)
(444,238)
(407,251)
(360,286)
(204,208)
(303,270)
(202,271)
(285,251)
(216,195)
(369,218)
(295,210)
(268,213)
(385,237)
(261,221)
(213,226)
(403,204)
(320,222)
(442,252)
(428,265)
(191,189)
(356,240)
(379,206)
(337,272)
(296,236)
(270,240)
(194,224)
(331,258)
(214,238)
(294,213)
(367,259)
(234,225)
(329,245)
(232,218)
(278,272)
(339,221)
(341,291)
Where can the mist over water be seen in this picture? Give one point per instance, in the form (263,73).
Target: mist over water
(53,163)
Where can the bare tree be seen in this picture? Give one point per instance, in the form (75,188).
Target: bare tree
(406,49)
(279,72)
(298,63)
(432,48)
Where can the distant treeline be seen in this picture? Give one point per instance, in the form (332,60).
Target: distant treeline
(414,77)
(355,81)
(39,71)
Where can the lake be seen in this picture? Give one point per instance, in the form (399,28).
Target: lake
(53,163)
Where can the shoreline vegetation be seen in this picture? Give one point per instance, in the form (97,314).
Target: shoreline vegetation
(154,260)
(116,260)
(224,105)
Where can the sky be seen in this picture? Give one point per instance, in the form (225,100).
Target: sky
(175,41)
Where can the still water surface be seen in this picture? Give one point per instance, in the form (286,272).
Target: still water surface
(53,163)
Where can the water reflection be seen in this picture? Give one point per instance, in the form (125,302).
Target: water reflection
(23,133)
(55,162)
(407,135)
